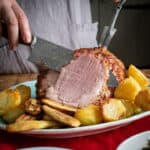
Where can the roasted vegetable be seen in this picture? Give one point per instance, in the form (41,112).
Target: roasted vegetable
(32,106)
(9,99)
(25,92)
(61,117)
(47,117)
(127,89)
(13,114)
(25,117)
(113,109)
(58,105)
(130,107)
(138,76)
(137,109)
(143,99)
(89,115)
(30,125)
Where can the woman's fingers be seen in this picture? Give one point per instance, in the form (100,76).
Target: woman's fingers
(10,19)
(22,22)
(17,22)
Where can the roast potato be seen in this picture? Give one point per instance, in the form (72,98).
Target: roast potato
(143,99)
(127,89)
(130,107)
(113,109)
(61,117)
(25,92)
(13,114)
(9,99)
(32,106)
(138,76)
(30,125)
(89,115)
(58,105)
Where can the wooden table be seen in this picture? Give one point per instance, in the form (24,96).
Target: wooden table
(9,80)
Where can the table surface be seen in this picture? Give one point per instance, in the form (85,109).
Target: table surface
(108,140)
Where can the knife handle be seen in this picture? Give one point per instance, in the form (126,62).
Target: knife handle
(5,34)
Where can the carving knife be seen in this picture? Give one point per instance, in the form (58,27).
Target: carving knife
(44,52)
(107,35)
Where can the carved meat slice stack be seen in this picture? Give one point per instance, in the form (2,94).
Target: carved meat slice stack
(82,81)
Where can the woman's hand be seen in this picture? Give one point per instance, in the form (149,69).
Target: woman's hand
(14,17)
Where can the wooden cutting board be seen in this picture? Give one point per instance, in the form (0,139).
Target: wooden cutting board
(9,80)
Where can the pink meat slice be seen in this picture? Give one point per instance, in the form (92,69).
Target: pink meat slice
(79,82)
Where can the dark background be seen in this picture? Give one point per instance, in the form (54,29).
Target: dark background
(131,42)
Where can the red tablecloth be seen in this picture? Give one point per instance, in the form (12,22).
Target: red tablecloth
(104,141)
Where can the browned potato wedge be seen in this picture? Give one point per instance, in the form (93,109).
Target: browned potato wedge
(130,107)
(25,92)
(143,99)
(26,125)
(89,115)
(9,99)
(25,117)
(57,105)
(138,76)
(61,117)
(47,117)
(13,114)
(113,109)
(137,109)
(127,89)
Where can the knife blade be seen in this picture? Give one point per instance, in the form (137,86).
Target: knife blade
(49,54)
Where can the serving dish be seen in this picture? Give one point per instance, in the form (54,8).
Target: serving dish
(136,142)
(75,132)
(43,148)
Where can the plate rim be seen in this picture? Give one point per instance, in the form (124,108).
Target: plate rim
(43,148)
(133,137)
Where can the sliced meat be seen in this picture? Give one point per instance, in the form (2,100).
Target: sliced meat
(46,79)
(80,82)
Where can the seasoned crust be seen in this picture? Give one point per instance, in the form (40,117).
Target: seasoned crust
(114,64)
